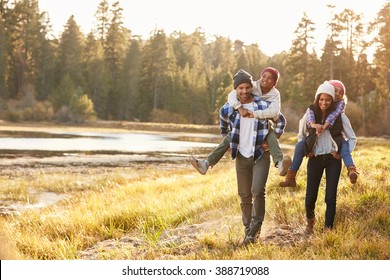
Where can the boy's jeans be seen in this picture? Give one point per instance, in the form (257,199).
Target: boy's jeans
(299,154)
(345,154)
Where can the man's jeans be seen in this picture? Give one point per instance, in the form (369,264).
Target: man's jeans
(251,180)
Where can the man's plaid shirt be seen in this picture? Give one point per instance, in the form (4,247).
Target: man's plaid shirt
(229,122)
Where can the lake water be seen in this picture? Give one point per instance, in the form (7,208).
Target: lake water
(23,150)
(101,141)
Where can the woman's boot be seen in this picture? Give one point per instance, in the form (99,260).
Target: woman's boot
(310,226)
(289,181)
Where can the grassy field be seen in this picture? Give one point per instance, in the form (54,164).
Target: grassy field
(155,213)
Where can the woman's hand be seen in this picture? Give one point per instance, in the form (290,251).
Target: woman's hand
(336,155)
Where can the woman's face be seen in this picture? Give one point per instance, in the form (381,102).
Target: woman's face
(324,101)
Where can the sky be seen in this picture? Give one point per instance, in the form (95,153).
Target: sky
(268,23)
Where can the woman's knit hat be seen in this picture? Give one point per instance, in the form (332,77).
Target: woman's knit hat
(337,83)
(274,72)
(242,77)
(327,88)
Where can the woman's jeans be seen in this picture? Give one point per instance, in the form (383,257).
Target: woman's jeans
(251,180)
(315,169)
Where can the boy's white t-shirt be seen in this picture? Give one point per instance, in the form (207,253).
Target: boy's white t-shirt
(245,146)
(273,96)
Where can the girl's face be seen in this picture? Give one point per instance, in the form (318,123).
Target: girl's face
(339,94)
(324,101)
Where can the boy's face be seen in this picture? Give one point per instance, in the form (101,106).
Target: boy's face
(244,93)
(267,81)
(339,94)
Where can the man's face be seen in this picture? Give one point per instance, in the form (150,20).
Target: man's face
(244,93)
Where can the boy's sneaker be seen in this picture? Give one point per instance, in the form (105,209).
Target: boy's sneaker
(284,165)
(201,165)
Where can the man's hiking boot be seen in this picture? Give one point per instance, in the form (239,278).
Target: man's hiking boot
(284,165)
(352,174)
(247,241)
(251,235)
(290,180)
(201,165)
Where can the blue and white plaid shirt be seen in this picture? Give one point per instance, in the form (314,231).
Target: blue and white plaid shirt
(229,122)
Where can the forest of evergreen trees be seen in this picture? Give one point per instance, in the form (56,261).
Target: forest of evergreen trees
(109,74)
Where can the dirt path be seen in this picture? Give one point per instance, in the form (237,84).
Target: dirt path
(181,242)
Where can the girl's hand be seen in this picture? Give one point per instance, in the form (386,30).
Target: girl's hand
(319,130)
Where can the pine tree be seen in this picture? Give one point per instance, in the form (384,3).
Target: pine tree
(154,75)
(257,60)
(130,79)
(380,105)
(240,54)
(3,60)
(115,49)
(103,18)
(299,62)
(95,75)
(382,54)
(71,55)
(221,64)
(26,31)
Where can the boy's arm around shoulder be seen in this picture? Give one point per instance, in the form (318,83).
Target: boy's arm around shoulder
(280,124)
(233,101)
(224,119)
(273,109)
